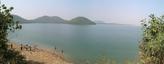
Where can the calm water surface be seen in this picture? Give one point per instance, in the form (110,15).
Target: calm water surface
(80,42)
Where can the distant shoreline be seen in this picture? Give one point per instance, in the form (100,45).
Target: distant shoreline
(84,24)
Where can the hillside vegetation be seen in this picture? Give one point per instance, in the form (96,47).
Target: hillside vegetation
(56,19)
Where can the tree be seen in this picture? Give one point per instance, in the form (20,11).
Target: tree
(7,24)
(152,43)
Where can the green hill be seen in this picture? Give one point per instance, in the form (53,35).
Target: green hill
(81,21)
(20,19)
(49,19)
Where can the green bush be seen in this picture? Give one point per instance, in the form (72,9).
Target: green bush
(152,43)
(7,24)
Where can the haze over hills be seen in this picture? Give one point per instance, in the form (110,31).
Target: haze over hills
(55,19)
(58,20)
(48,19)
(20,19)
(98,21)
(81,21)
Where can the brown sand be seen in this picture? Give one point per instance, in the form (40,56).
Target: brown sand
(42,56)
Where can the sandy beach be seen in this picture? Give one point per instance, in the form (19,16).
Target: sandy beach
(40,55)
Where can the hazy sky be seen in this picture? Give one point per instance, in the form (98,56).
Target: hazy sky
(115,11)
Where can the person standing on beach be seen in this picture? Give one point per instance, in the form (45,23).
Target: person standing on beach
(21,47)
(62,51)
(30,48)
(55,48)
(26,47)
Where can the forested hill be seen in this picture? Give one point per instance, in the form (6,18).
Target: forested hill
(55,19)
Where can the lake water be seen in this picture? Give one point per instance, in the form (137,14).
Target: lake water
(81,42)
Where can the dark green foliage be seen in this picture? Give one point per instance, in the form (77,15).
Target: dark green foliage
(14,57)
(152,44)
(8,56)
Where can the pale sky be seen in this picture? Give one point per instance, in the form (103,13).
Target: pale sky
(109,11)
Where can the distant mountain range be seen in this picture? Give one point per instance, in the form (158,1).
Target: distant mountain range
(55,19)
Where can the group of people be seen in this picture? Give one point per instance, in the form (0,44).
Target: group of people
(62,51)
(22,47)
(26,47)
